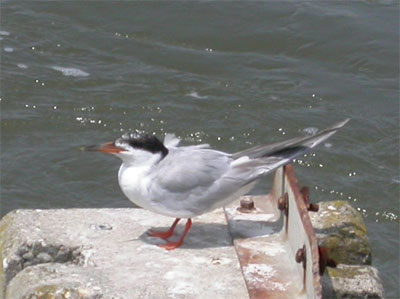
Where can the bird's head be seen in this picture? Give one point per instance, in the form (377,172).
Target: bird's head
(134,148)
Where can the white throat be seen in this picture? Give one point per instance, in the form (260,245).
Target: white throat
(134,176)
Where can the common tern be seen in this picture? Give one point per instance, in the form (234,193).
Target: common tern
(187,181)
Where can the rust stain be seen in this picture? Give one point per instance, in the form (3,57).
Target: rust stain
(263,284)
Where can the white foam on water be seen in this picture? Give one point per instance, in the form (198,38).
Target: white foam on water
(9,49)
(310,130)
(195,95)
(2,32)
(22,66)
(70,71)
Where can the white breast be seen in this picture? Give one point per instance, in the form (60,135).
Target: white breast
(134,184)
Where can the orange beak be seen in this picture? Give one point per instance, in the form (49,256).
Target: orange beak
(108,148)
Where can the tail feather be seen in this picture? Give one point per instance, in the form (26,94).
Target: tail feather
(290,148)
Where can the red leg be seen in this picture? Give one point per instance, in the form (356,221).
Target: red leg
(173,245)
(164,235)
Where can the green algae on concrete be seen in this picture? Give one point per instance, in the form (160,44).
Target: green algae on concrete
(340,228)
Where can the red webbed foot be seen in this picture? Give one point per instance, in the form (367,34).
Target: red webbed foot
(164,235)
(173,245)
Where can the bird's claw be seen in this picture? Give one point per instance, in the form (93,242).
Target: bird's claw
(170,245)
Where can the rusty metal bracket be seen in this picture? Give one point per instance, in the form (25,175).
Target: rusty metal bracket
(276,261)
(301,233)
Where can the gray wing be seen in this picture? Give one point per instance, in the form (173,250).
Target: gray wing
(187,168)
(193,180)
(194,168)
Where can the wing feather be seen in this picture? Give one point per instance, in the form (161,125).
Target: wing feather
(197,167)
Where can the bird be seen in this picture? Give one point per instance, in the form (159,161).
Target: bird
(188,181)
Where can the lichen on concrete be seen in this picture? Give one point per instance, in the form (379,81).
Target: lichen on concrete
(340,228)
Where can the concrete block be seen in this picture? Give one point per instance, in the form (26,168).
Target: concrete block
(54,280)
(340,228)
(106,253)
(350,281)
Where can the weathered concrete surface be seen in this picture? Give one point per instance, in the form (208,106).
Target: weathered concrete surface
(106,253)
(54,280)
(340,228)
(350,281)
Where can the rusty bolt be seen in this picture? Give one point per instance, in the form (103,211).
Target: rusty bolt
(283,203)
(313,207)
(246,205)
(300,255)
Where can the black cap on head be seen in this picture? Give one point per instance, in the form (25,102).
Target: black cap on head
(143,141)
